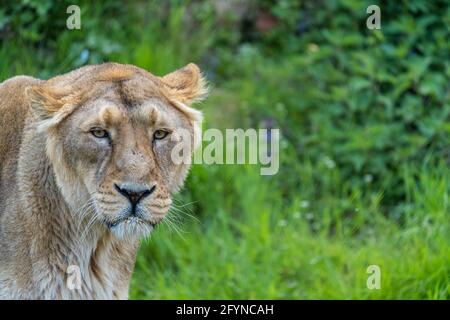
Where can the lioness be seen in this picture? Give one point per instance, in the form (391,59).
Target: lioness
(85,171)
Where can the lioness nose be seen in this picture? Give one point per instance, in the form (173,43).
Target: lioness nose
(134,193)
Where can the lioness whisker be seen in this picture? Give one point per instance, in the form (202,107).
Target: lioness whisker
(173,227)
(179,211)
(83,211)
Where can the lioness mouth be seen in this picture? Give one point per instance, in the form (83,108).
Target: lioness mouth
(128,220)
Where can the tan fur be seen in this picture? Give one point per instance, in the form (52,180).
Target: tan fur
(58,203)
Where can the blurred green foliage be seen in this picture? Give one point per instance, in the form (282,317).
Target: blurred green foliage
(364,116)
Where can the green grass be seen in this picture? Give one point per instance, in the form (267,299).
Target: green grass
(364,118)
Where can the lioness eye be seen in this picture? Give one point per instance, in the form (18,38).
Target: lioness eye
(160,134)
(99,133)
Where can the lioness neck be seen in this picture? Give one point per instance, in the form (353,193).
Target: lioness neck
(46,253)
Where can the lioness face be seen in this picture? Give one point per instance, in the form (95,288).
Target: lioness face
(113,156)
(123,155)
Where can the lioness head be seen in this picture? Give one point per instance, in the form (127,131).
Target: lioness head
(110,132)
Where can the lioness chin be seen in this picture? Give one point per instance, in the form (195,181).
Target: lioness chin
(86,170)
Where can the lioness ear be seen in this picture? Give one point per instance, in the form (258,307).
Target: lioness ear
(49,107)
(187,85)
(43,103)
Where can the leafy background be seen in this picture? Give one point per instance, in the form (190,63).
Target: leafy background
(364,118)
